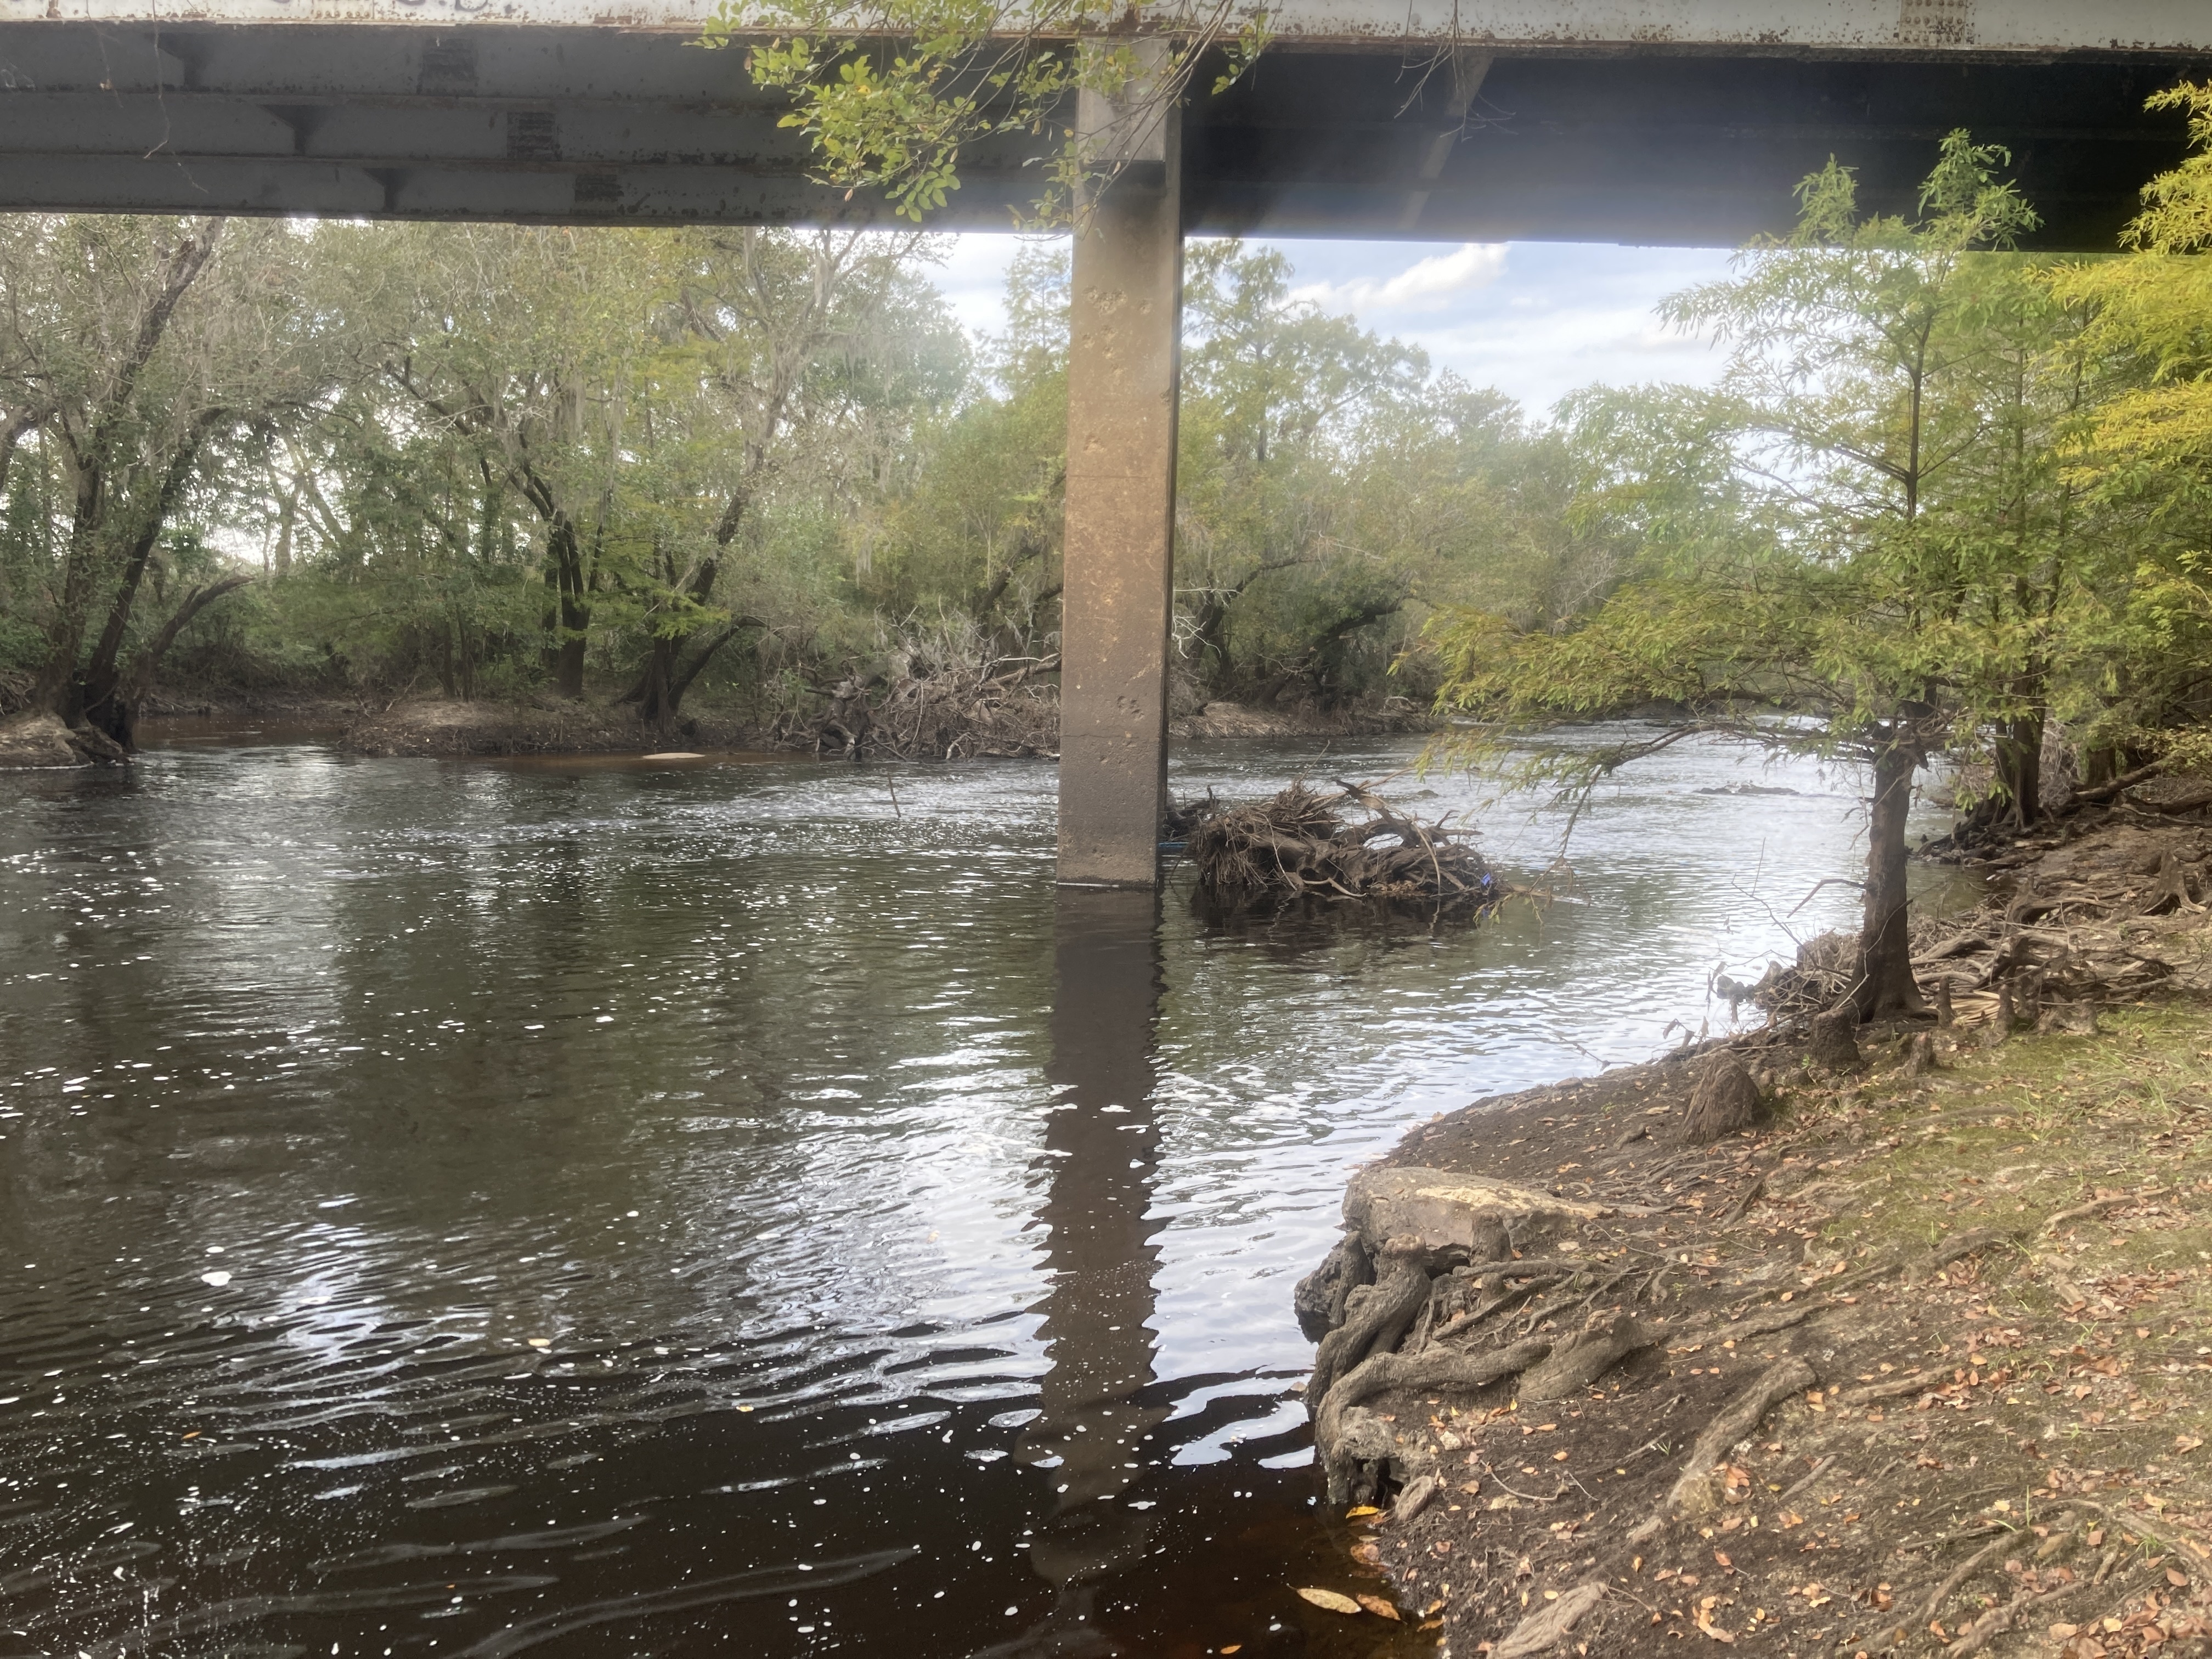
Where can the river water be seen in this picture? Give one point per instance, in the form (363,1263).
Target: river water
(581,1208)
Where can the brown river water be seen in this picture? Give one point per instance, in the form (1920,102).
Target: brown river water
(465,1208)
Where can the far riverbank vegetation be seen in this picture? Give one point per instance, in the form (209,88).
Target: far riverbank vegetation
(1947,499)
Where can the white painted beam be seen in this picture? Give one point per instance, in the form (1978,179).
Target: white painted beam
(1784,26)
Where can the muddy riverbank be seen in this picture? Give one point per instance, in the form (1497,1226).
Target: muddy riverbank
(1916,1364)
(551,728)
(457,729)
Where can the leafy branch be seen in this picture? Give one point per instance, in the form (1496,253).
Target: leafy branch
(891,95)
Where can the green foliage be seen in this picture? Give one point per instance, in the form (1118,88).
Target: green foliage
(1332,489)
(1946,495)
(135,353)
(2142,451)
(1865,541)
(1868,520)
(555,458)
(890,95)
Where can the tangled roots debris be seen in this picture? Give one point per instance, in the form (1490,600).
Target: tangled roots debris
(1303,843)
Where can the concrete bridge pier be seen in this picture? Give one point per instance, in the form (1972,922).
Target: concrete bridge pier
(1123,368)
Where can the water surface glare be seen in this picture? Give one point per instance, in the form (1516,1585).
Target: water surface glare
(466,1209)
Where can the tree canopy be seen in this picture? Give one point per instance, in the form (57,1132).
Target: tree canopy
(625,465)
(1899,526)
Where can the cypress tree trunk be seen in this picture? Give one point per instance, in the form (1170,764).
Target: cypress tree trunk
(568,660)
(1887,985)
(2019,758)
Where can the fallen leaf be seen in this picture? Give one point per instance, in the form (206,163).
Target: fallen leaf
(1353,1514)
(1380,1609)
(1334,1600)
(1233,1647)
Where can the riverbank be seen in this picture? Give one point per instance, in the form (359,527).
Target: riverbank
(547,727)
(1916,1364)
(431,727)
(553,726)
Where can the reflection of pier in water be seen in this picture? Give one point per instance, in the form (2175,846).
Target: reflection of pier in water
(1089,1439)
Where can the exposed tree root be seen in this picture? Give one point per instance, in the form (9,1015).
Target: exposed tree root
(1693,1488)
(1542,1630)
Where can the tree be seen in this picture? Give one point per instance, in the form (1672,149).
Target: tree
(1827,572)
(525,345)
(802,347)
(973,529)
(128,348)
(2145,449)
(2022,562)
(654,402)
(393,551)
(1275,394)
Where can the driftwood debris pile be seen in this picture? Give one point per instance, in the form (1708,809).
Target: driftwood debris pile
(995,709)
(1348,844)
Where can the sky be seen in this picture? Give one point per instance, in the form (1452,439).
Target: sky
(1534,320)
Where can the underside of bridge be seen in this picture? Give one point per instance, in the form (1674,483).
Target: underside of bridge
(1669,123)
(1472,141)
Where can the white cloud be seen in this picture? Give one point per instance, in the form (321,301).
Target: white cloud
(1428,284)
(971,274)
(1553,317)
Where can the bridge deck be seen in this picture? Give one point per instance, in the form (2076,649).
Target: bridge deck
(1662,121)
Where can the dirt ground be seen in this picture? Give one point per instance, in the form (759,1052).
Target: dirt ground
(1976,1298)
(427,726)
(431,726)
